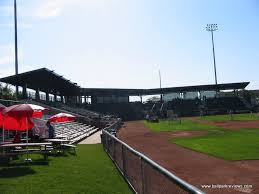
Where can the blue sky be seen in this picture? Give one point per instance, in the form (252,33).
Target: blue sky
(123,43)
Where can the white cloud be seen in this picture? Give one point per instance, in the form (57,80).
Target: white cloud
(53,8)
(50,8)
(46,13)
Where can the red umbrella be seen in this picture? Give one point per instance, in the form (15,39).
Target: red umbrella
(16,120)
(17,117)
(38,110)
(24,110)
(11,123)
(62,117)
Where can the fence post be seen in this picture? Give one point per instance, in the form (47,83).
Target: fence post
(113,145)
(123,161)
(101,135)
(142,175)
(106,142)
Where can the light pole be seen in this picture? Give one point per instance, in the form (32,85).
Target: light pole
(16,47)
(211,28)
(160,84)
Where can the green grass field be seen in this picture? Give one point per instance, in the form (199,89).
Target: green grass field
(235,117)
(229,145)
(91,171)
(242,144)
(184,125)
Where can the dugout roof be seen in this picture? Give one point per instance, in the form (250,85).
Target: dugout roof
(45,80)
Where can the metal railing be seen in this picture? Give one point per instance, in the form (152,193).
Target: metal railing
(142,174)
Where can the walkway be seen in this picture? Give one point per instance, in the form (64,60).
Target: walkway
(93,139)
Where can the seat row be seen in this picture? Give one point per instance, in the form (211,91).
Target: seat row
(73,131)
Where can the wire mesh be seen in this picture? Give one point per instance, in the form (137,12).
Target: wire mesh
(133,170)
(155,182)
(142,175)
(109,145)
(118,155)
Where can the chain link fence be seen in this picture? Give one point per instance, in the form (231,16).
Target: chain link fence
(142,174)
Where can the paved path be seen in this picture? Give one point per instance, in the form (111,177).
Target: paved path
(93,139)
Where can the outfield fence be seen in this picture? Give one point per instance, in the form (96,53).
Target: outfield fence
(142,174)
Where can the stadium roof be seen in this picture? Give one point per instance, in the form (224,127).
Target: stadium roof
(45,80)
(154,91)
(48,81)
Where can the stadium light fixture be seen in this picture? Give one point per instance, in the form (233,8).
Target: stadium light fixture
(211,28)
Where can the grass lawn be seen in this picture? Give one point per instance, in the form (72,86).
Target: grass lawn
(185,125)
(91,171)
(235,117)
(229,145)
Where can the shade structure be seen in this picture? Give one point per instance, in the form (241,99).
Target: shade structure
(14,117)
(24,110)
(10,123)
(62,117)
(18,117)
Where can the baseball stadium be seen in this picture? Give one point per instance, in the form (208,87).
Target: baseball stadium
(200,134)
(58,136)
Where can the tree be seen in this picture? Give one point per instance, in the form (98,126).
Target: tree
(6,92)
(153,99)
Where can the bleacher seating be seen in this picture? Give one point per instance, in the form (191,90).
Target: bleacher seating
(70,108)
(78,110)
(185,107)
(225,104)
(73,131)
(217,105)
(90,117)
(126,111)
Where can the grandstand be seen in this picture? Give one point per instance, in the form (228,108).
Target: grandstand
(73,131)
(51,89)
